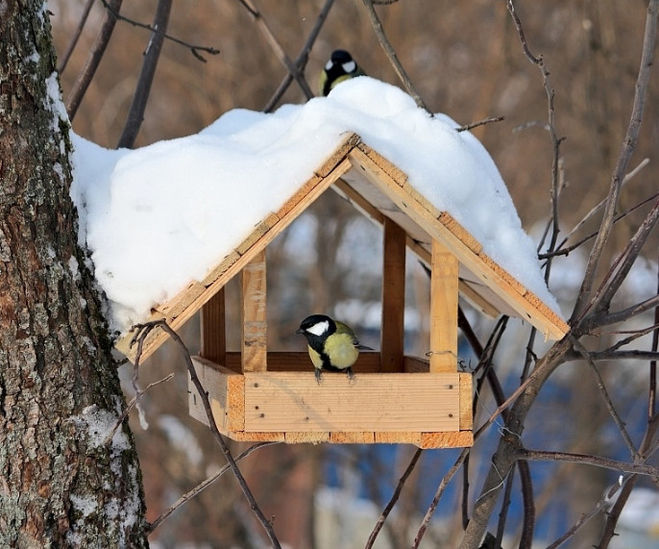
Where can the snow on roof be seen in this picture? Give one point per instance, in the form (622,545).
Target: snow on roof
(157,217)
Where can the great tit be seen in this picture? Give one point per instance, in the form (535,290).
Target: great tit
(332,345)
(341,66)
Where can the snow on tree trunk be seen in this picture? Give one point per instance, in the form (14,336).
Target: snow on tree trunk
(62,485)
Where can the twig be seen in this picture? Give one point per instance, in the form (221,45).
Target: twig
(473,125)
(76,36)
(605,394)
(635,335)
(624,314)
(302,58)
(391,54)
(629,146)
(394,498)
(505,505)
(202,486)
(528,522)
(95,55)
(601,203)
(194,49)
(596,461)
(263,26)
(438,494)
(566,251)
(162,324)
(143,89)
(132,404)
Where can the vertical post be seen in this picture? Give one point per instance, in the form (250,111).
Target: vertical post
(443,310)
(254,335)
(393,298)
(213,329)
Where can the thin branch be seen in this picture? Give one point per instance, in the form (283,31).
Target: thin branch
(605,394)
(394,498)
(391,54)
(138,395)
(483,122)
(143,89)
(302,58)
(95,55)
(203,485)
(263,26)
(194,48)
(624,314)
(586,459)
(142,330)
(566,251)
(601,203)
(635,335)
(505,505)
(76,36)
(438,494)
(628,148)
(621,355)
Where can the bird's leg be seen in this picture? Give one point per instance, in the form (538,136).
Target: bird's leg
(317,373)
(351,374)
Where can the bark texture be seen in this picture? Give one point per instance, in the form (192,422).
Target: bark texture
(61,484)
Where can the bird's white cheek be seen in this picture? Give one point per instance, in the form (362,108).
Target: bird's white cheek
(349,66)
(319,328)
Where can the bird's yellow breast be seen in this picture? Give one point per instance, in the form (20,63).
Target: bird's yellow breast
(341,350)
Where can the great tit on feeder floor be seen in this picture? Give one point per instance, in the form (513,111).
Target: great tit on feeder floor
(341,66)
(332,345)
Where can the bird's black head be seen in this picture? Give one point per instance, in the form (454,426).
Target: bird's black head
(339,57)
(316,328)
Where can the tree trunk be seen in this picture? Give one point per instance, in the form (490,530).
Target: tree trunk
(62,485)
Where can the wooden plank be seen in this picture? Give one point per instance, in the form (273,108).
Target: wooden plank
(393,298)
(339,154)
(213,329)
(232,264)
(254,342)
(352,438)
(241,436)
(443,310)
(306,437)
(225,392)
(466,396)
(458,439)
(427,216)
(402,437)
(295,402)
(415,365)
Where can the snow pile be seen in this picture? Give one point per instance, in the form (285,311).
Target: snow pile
(158,217)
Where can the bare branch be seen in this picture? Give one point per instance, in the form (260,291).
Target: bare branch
(202,486)
(142,330)
(596,461)
(624,314)
(483,122)
(628,148)
(76,36)
(302,58)
(438,494)
(391,54)
(95,55)
(143,89)
(292,68)
(194,49)
(605,394)
(394,498)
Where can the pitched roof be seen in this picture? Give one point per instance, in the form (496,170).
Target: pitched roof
(379,189)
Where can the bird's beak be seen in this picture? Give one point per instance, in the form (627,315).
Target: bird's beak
(299,331)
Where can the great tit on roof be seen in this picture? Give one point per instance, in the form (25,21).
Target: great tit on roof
(341,66)
(332,345)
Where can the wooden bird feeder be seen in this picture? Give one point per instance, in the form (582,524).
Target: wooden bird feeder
(260,395)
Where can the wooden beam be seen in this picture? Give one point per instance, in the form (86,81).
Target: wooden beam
(254,343)
(213,329)
(393,298)
(443,310)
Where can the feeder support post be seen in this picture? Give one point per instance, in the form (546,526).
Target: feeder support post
(443,310)
(254,334)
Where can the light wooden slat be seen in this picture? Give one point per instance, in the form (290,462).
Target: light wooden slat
(393,298)
(443,310)
(290,401)
(254,341)
(466,416)
(427,216)
(401,437)
(213,329)
(458,439)
(352,438)
(314,437)
(299,361)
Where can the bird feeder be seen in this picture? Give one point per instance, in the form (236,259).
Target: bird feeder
(261,395)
